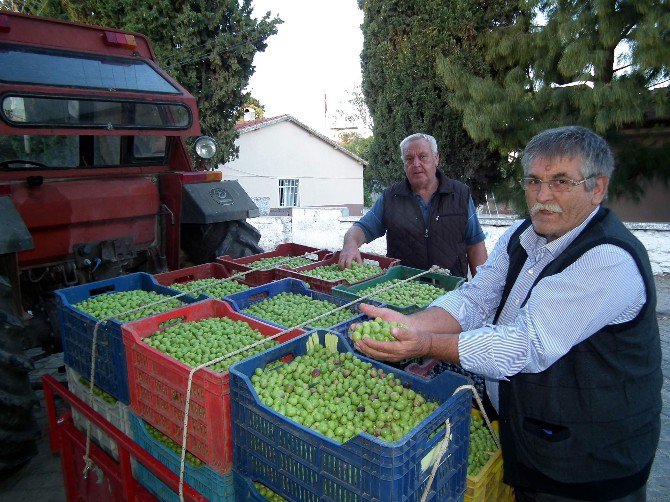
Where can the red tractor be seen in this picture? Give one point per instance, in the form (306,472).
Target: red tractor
(95,182)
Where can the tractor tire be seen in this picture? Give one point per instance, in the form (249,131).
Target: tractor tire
(18,429)
(204,243)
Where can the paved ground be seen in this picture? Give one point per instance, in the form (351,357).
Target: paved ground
(41,479)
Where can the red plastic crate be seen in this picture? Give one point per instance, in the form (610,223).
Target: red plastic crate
(422,368)
(205,271)
(260,277)
(104,482)
(158,383)
(326,286)
(109,479)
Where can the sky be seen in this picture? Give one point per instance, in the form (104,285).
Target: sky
(315,52)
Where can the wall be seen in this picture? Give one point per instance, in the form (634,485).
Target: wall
(653,207)
(325,229)
(285,150)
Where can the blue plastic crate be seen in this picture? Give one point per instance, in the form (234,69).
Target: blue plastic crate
(301,464)
(206,481)
(245,490)
(245,299)
(76,328)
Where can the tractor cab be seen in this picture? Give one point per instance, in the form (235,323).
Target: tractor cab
(95,177)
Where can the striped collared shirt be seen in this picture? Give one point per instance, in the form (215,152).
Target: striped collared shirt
(602,287)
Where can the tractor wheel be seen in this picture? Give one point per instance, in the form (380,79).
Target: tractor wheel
(204,243)
(18,429)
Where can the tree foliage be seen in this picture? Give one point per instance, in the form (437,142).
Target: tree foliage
(591,63)
(356,144)
(252,104)
(357,112)
(406,94)
(360,146)
(206,45)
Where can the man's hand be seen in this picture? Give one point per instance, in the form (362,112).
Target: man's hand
(412,342)
(349,253)
(387,315)
(353,239)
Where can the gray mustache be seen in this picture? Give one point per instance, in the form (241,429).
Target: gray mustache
(554,208)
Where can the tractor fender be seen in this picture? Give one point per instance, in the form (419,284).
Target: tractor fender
(14,235)
(216,202)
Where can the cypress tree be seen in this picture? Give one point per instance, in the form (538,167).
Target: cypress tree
(593,63)
(405,92)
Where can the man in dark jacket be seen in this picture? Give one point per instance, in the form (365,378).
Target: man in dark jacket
(572,358)
(428,218)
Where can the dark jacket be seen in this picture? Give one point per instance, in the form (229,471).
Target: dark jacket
(588,425)
(442,243)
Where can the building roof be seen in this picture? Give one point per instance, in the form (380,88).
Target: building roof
(254,125)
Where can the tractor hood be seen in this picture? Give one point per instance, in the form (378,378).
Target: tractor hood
(63,214)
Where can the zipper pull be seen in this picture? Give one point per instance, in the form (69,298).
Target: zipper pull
(437,218)
(426,234)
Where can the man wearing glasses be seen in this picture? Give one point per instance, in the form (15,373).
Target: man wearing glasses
(572,357)
(428,218)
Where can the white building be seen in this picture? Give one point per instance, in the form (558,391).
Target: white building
(295,166)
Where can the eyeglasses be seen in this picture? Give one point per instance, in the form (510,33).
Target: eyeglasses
(410,160)
(555,185)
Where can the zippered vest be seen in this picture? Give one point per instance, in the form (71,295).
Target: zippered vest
(442,243)
(593,415)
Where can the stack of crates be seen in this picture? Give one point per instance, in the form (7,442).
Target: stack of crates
(299,463)
(487,485)
(158,385)
(110,396)
(233,438)
(114,411)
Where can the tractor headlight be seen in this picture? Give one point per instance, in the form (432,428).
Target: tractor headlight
(205,147)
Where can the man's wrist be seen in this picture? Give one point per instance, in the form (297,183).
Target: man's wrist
(428,346)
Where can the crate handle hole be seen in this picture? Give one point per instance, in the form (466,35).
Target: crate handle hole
(104,289)
(171,322)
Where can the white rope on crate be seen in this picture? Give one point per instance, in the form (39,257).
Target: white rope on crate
(88,463)
(444,445)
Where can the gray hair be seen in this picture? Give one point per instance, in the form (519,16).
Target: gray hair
(572,141)
(414,137)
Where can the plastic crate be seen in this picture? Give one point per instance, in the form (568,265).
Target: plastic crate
(245,490)
(478,381)
(158,384)
(214,486)
(326,286)
(245,299)
(260,277)
(301,464)
(205,271)
(104,482)
(76,328)
(488,485)
(422,368)
(446,282)
(115,413)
